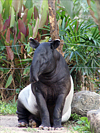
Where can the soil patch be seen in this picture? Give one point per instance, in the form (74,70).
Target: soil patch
(8,124)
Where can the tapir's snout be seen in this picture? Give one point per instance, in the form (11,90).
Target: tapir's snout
(35,77)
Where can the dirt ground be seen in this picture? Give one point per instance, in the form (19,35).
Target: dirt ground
(8,124)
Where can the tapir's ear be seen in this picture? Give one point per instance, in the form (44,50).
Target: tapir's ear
(55,44)
(33,43)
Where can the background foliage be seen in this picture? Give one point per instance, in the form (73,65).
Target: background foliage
(25,18)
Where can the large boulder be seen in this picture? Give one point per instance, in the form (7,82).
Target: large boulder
(94,118)
(85,101)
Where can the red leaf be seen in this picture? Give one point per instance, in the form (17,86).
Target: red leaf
(1,17)
(25,15)
(36,15)
(8,36)
(15,38)
(3,32)
(27,31)
(1,23)
(7,23)
(19,36)
(21,26)
(10,53)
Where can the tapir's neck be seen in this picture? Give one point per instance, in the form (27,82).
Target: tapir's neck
(56,74)
(49,75)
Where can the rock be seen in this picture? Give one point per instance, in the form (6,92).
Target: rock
(85,101)
(94,118)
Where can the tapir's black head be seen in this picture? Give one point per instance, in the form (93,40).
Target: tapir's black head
(45,58)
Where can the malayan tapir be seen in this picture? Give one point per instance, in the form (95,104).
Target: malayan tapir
(47,100)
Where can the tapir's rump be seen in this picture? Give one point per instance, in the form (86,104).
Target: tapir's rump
(47,100)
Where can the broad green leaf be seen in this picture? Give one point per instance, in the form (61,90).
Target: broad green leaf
(9,80)
(61,32)
(43,13)
(30,30)
(35,30)
(45,40)
(63,23)
(28,59)
(10,2)
(12,21)
(29,4)
(29,14)
(68,4)
(26,70)
(22,37)
(45,29)
(17,4)
(0,7)
(6,7)
(2,1)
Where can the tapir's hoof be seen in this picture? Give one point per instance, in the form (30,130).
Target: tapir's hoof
(44,128)
(32,123)
(59,128)
(22,124)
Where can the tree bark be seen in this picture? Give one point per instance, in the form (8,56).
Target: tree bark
(91,12)
(54,29)
(98,11)
(97,21)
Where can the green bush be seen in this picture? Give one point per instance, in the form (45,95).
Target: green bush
(19,20)
(8,108)
(83,125)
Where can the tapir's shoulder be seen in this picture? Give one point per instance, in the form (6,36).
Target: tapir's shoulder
(63,62)
(25,91)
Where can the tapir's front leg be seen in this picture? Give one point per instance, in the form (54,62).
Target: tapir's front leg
(57,115)
(44,113)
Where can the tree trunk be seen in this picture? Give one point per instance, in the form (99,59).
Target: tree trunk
(54,29)
(98,11)
(97,21)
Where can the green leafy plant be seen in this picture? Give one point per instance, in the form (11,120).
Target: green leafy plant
(8,108)
(18,21)
(82,46)
(82,42)
(83,125)
(75,116)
